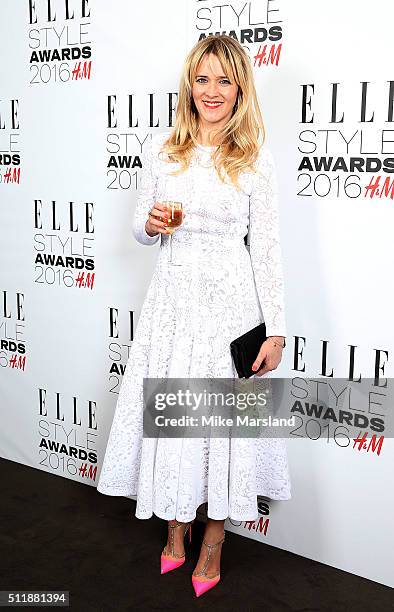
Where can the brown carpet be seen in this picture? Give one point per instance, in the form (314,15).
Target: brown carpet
(59,534)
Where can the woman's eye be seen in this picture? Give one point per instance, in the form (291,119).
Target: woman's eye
(202,80)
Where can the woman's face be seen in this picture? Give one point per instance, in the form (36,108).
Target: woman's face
(214,94)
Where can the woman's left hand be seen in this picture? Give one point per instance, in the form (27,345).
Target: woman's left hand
(272,355)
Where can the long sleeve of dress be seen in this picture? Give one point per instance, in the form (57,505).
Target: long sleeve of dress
(146,196)
(264,244)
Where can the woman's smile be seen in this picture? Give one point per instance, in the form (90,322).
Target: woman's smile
(212,105)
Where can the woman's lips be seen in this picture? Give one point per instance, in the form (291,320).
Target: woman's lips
(213,105)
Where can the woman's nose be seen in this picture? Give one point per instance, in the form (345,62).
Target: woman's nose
(212,89)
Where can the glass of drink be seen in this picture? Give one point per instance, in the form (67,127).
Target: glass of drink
(175,218)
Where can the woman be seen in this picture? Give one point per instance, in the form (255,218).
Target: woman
(213,163)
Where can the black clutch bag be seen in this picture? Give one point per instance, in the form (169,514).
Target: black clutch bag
(244,350)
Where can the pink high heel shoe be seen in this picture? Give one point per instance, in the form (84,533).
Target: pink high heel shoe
(166,562)
(201,583)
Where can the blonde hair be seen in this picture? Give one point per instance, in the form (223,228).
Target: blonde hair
(239,138)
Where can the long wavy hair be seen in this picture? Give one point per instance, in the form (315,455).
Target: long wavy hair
(238,140)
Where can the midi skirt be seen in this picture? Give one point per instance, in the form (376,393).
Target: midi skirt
(190,314)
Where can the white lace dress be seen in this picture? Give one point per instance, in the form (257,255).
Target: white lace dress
(190,315)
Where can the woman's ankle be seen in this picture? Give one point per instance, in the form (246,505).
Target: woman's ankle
(213,529)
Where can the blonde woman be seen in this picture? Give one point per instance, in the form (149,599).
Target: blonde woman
(215,162)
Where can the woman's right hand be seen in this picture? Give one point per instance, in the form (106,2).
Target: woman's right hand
(157,220)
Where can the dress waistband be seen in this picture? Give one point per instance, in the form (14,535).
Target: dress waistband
(213,249)
(204,238)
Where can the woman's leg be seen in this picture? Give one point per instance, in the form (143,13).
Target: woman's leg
(214,532)
(177,536)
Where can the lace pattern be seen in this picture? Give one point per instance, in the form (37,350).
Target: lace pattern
(189,317)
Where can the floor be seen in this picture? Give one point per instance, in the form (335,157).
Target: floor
(59,534)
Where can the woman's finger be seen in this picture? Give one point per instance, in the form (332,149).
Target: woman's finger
(157,214)
(158,226)
(272,360)
(160,210)
(155,221)
(260,358)
(266,368)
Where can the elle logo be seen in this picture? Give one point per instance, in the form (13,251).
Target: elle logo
(51,15)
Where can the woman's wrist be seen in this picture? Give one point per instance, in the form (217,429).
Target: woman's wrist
(278,340)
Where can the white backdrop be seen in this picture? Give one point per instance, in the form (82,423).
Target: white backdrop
(76,137)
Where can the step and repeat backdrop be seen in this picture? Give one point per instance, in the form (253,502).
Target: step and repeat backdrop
(83,86)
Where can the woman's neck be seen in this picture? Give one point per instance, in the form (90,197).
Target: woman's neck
(203,138)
